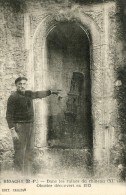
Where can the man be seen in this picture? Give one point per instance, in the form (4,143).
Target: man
(20,118)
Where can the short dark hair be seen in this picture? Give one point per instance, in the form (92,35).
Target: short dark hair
(20,79)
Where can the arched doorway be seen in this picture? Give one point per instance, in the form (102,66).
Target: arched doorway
(68,70)
(51,112)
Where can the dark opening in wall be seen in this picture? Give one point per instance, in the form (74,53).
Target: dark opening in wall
(68,59)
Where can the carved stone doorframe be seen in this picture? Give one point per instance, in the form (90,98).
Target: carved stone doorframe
(97,72)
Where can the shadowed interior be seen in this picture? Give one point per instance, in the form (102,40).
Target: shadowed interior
(68,61)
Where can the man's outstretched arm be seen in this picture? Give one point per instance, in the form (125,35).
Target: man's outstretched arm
(42,94)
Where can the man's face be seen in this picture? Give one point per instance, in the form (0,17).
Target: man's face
(21,85)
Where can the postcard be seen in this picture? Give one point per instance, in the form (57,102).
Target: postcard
(62,97)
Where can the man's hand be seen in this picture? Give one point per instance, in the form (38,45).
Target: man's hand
(14,134)
(55,92)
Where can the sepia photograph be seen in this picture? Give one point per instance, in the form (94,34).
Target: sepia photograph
(63,97)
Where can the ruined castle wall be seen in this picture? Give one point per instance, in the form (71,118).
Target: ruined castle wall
(24,27)
(12,64)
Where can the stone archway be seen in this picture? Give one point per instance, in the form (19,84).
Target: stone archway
(38,54)
(98,62)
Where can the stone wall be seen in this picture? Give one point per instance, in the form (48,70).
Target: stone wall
(118,155)
(24,27)
(12,64)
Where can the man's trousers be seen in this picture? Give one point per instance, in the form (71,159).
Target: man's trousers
(23,147)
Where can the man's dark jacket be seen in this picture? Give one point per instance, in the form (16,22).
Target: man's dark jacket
(20,106)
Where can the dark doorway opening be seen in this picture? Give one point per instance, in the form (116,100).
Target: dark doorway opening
(68,61)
